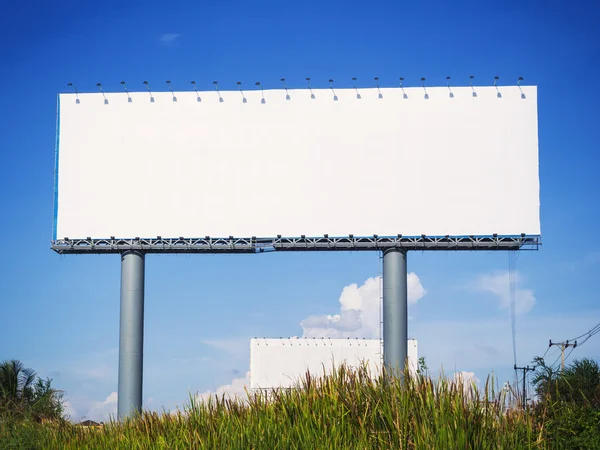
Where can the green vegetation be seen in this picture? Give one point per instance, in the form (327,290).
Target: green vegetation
(23,395)
(569,403)
(348,410)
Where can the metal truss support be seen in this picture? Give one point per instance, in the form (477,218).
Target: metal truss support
(131,338)
(294,244)
(395,307)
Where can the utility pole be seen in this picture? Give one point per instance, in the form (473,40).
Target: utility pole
(525,370)
(563,346)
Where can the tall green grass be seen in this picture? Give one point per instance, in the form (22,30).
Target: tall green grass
(346,410)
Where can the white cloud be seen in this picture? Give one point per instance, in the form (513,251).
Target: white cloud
(103,410)
(467,381)
(237,389)
(69,411)
(360,311)
(466,378)
(169,38)
(497,283)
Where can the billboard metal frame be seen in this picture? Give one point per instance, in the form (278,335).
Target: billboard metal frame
(295,244)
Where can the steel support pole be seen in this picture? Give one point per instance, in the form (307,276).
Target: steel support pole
(395,310)
(131,337)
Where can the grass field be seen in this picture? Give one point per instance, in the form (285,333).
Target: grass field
(347,410)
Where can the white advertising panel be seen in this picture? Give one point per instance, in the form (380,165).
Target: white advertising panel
(386,162)
(281,363)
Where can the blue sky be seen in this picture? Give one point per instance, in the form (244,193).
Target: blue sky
(61,314)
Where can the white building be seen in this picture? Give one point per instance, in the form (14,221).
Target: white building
(276,363)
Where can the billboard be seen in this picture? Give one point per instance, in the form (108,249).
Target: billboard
(300,162)
(277,363)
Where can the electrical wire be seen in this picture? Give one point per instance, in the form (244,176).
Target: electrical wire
(557,358)
(546,352)
(594,330)
(588,337)
(569,354)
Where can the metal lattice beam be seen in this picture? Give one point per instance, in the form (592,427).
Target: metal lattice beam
(296,244)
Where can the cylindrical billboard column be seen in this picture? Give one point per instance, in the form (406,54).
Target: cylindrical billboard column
(395,310)
(131,337)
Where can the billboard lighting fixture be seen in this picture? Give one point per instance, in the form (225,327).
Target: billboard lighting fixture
(207,237)
(112,238)
(325,235)
(356,89)
(149,91)
(423,236)
(129,100)
(67,239)
(335,97)
(181,238)
(380,95)
(498,94)
(159,237)
(171,89)
(471,78)
(76,93)
(426,96)
(198,99)
(447,236)
(404,95)
(312,95)
(102,92)
(278,236)
(262,100)
(89,238)
(375,236)
(231,238)
(519,86)
(400,236)
(287,95)
(495,235)
(302,236)
(137,238)
(451,94)
(216,84)
(522,234)
(351,236)
(239,83)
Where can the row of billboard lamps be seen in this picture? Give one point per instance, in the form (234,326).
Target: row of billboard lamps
(259,85)
(302,236)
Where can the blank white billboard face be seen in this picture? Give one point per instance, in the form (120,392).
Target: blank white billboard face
(390,162)
(281,363)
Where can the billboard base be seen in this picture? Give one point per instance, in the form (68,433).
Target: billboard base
(395,310)
(131,337)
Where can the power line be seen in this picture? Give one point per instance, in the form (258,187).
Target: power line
(555,361)
(546,352)
(569,354)
(594,330)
